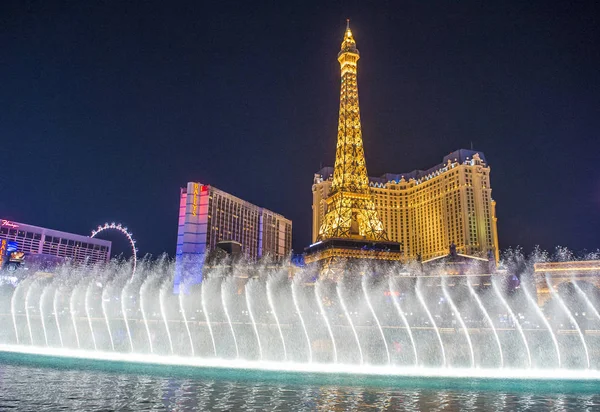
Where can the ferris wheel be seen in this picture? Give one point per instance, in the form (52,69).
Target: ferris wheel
(123,230)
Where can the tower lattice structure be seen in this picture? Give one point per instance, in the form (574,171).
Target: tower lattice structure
(350,207)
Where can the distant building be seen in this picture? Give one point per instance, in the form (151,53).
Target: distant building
(49,246)
(427,211)
(208,215)
(584,273)
(457,264)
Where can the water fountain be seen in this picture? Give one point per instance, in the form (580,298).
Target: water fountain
(365,321)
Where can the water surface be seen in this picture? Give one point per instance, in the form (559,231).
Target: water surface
(49,383)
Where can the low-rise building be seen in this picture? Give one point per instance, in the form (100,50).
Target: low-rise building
(45,245)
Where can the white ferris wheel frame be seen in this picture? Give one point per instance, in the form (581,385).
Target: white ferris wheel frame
(123,229)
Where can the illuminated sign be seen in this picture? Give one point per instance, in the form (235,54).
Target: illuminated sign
(7,223)
(195,200)
(2,251)
(197,191)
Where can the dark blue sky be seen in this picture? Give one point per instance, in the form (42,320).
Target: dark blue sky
(107,108)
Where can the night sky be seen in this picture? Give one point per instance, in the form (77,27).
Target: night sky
(108,108)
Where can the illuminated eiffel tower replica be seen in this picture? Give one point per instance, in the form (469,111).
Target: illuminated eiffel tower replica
(351,229)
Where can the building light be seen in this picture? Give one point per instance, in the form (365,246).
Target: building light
(7,223)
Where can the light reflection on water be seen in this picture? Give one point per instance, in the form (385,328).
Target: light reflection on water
(27,384)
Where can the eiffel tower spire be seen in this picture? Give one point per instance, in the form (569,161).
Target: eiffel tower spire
(350,207)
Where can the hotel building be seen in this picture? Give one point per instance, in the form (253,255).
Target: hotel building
(427,211)
(208,215)
(48,245)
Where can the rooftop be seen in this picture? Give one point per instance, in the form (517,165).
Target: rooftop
(52,232)
(207,187)
(459,156)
